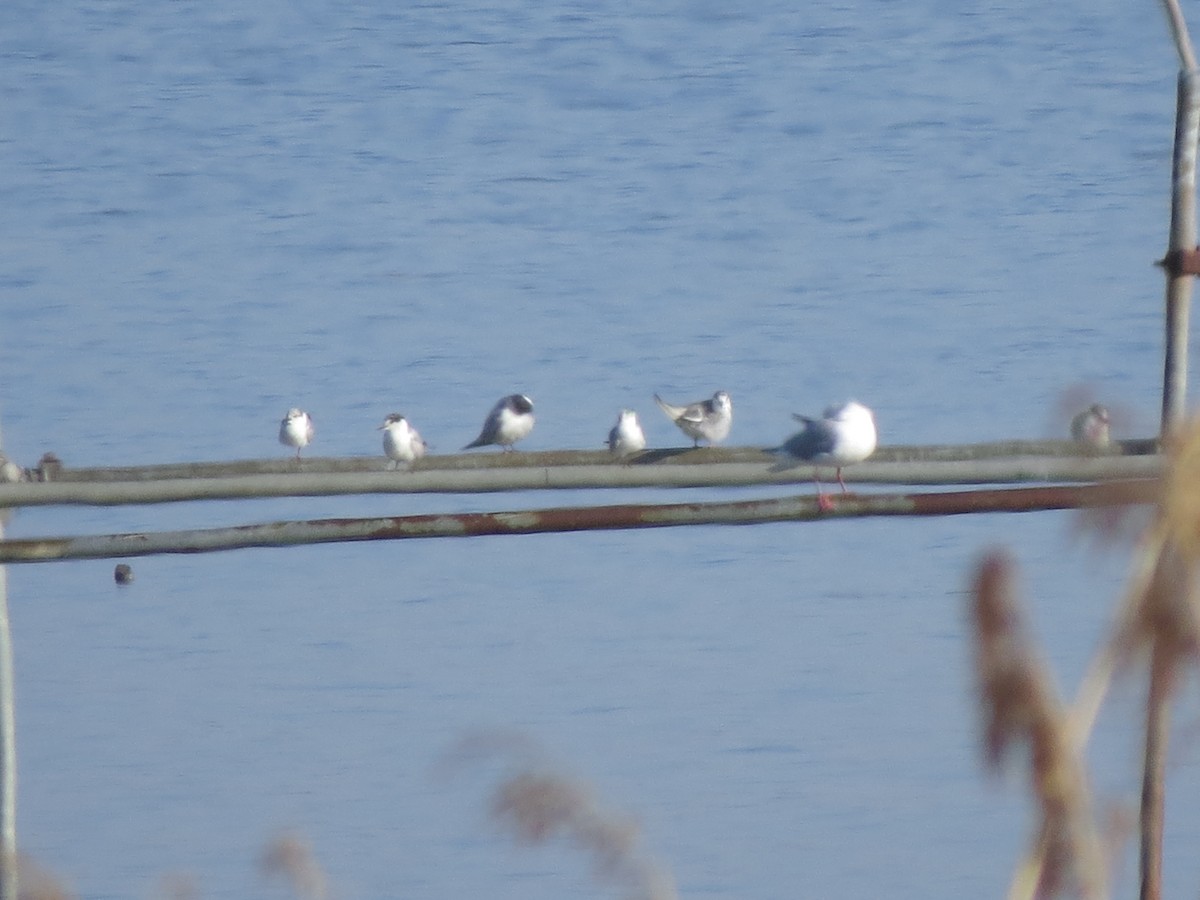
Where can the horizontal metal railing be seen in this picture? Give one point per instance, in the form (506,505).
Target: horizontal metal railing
(1009,462)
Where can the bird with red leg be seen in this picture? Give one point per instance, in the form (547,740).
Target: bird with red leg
(844,435)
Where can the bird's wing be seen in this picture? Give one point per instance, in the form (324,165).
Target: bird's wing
(814,440)
(491,426)
(697,412)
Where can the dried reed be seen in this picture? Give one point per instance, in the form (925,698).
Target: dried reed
(178,886)
(1021,707)
(39,883)
(291,857)
(538,805)
(1157,624)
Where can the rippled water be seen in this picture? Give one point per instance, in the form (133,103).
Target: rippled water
(212,212)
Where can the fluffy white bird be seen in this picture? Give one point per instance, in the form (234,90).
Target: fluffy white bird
(842,436)
(1090,427)
(707,420)
(296,429)
(10,471)
(626,436)
(401,442)
(510,420)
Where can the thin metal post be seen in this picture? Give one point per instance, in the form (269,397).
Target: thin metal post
(8,748)
(8,751)
(1182,241)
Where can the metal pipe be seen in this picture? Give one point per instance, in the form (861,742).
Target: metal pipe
(567,519)
(678,456)
(742,470)
(9,882)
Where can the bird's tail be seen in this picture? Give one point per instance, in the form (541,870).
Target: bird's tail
(673,412)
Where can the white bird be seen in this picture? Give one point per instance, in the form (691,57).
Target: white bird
(707,420)
(510,420)
(626,436)
(296,429)
(1090,427)
(10,471)
(843,435)
(401,442)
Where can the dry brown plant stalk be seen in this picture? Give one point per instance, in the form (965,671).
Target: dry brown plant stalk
(539,805)
(1021,707)
(178,886)
(1158,615)
(39,883)
(291,857)
(1158,625)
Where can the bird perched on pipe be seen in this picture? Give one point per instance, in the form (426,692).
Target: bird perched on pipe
(401,442)
(1090,427)
(626,437)
(842,436)
(510,420)
(296,430)
(704,420)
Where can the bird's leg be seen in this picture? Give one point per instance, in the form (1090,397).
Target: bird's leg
(842,483)
(823,501)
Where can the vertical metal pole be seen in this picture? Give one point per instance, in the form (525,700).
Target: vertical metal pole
(8,750)
(1182,240)
(8,745)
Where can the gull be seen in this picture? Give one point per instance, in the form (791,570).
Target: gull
(510,420)
(401,442)
(707,420)
(843,435)
(296,429)
(1090,427)
(626,436)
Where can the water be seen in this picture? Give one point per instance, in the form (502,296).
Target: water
(211,213)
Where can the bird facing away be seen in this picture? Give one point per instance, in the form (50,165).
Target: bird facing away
(401,442)
(1090,427)
(296,430)
(626,436)
(510,420)
(843,435)
(707,420)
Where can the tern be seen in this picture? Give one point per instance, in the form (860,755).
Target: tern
(707,420)
(296,429)
(1090,427)
(626,436)
(401,442)
(510,420)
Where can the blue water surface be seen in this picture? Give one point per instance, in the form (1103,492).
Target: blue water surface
(212,212)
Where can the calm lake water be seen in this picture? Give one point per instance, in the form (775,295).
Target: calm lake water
(212,212)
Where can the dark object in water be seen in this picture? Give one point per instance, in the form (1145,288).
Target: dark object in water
(123,574)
